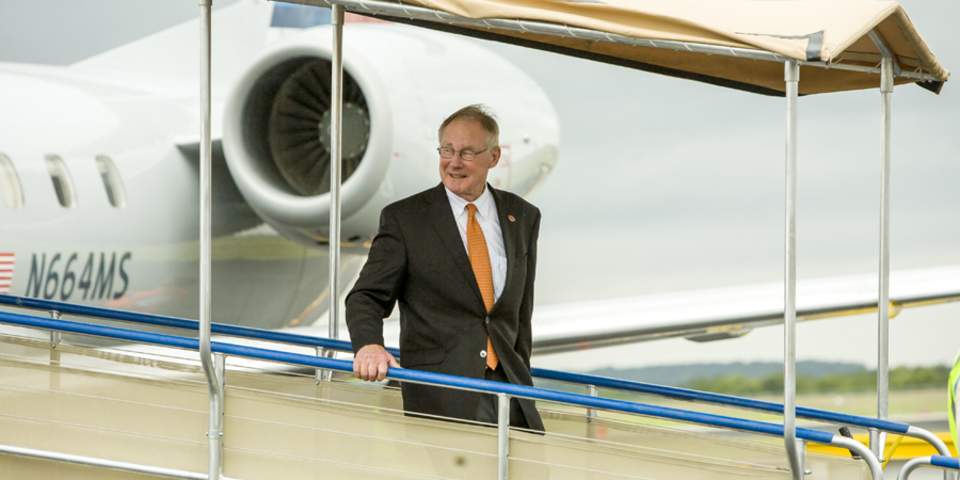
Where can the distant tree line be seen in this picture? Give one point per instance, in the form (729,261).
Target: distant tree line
(901,378)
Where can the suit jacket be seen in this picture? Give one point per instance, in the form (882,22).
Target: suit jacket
(418,259)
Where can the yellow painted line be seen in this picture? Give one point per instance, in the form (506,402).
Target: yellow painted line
(903,448)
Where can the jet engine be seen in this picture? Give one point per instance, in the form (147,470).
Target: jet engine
(398,85)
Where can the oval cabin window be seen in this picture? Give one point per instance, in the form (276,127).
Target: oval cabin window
(112,182)
(11,192)
(62,183)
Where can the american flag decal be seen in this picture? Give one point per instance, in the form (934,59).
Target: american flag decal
(7,262)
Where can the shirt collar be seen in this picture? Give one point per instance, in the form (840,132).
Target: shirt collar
(485,203)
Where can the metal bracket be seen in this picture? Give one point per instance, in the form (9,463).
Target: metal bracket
(885,51)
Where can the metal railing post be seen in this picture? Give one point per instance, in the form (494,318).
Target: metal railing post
(214,383)
(323,374)
(56,337)
(593,391)
(336,126)
(791,80)
(503,436)
(217,414)
(802,456)
(592,413)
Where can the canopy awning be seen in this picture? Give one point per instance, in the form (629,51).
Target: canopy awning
(735,43)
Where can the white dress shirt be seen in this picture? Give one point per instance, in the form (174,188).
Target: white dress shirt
(490,224)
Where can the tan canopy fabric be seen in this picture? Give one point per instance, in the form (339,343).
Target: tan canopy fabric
(829,31)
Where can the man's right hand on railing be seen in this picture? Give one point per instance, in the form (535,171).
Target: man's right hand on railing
(372,362)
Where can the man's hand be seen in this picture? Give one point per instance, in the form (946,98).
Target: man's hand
(372,362)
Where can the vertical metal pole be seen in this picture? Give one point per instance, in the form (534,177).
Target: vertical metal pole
(322,374)
(217,415)
(336,126)
(802,455)
(503,436)
(792,80)
(877,442)
(593,391)
(220,366)
(214,385)
(56,336)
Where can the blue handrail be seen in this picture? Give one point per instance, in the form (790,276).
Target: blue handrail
(945,462)
(731,400)
(404,374)
(177,322)
(341,345)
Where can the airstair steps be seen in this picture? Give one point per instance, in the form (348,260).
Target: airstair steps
(283,425)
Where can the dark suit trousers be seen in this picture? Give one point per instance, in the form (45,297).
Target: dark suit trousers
(487,409)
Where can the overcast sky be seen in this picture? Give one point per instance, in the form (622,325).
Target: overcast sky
(666,184)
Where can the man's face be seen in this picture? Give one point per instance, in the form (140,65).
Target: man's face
(466,178)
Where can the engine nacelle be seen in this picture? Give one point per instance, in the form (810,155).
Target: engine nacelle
(399,84)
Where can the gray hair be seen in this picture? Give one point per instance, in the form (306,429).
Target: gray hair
(479,113)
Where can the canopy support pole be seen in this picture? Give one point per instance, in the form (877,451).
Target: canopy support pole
(336,125)
(887,72)
(878,439)
(791,79)
(214,381)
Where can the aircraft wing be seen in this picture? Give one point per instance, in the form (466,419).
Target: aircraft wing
(710,314)
(715,314)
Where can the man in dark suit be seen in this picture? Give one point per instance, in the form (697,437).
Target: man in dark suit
(461,259)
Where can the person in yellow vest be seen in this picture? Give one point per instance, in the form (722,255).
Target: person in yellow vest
(460,259)
(953,400)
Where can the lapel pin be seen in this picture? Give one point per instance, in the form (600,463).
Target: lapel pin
(511,217)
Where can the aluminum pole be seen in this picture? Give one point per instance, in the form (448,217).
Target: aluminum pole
(336,125)
(56,337)
(214,432)
(593,391)
(503,436)
(791,78)
(883,302)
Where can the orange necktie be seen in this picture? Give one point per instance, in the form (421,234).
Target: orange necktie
(480,262)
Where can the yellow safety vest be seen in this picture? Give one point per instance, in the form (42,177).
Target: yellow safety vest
(952,384)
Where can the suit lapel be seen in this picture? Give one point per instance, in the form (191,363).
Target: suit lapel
(511,232)
(446,227)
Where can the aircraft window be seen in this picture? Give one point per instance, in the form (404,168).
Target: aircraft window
(11,192)
(111,181)
(62,183)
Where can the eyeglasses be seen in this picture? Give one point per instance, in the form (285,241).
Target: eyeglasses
(465,153)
